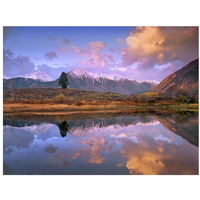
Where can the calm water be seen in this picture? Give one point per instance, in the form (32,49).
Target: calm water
(128,144)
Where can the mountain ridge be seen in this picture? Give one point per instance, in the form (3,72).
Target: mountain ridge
(183,81)
(82,79)
(35,75)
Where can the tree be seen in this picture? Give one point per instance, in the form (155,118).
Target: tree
(63,80)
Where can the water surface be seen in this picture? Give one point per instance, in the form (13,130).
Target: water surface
(121,144)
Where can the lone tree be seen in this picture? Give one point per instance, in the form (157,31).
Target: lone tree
(63,80)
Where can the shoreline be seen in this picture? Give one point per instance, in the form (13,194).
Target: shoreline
(63,109)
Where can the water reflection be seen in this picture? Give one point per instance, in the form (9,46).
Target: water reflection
(63,127)
(126,144)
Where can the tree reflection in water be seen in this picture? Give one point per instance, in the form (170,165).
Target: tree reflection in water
(63,127)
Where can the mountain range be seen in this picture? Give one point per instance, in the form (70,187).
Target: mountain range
(82,79)
(35,75)
(184,81)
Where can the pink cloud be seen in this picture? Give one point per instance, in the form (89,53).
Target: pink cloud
(97,46)
(76,49)
(160,45)
(120,40)
(109,57)
(96,58)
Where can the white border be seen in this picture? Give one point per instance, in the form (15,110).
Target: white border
(97,13)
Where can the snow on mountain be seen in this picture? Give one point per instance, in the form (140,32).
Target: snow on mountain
(149,81)
(37,75)
(80,73)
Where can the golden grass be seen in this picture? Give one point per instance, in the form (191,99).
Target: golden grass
(94,106)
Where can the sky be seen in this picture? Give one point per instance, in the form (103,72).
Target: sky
(138,53)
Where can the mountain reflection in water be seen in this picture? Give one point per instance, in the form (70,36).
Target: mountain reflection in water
(127,144)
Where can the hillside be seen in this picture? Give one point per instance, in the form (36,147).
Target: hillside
(184,81)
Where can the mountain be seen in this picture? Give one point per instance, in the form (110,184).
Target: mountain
(38,75)
(26,83)
(85,80)
(184,81)
(82,79)
(35,75)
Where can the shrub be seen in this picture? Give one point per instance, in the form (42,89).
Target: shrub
(182,99)
(60,98)
(11,100)
(79,103)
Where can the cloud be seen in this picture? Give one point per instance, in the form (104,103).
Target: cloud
(120,40)
(158,72)
(19,65)
(122,69)
(97,46)
(13,66)
(85,52)
(15,138)
(50,149)
(52,72)
(8,53)
(96,56)
(51,38)
(50,55)
(160,45)
(7,31)
(92,150)
(66,41)
(112,50)
(109,57)
(76,49)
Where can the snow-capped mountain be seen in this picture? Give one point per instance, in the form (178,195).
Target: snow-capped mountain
(82,79)
(80,72)
(38,75)
(35,75)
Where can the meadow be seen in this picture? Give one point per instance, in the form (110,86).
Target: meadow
(48,100)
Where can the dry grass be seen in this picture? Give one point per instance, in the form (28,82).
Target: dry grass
(25,108)
(54,100)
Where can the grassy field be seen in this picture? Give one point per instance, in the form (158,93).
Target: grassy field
(53,100)
(17,108)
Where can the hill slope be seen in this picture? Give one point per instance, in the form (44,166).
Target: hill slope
(184,81)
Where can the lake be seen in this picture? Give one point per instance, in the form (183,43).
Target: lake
(137,144)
